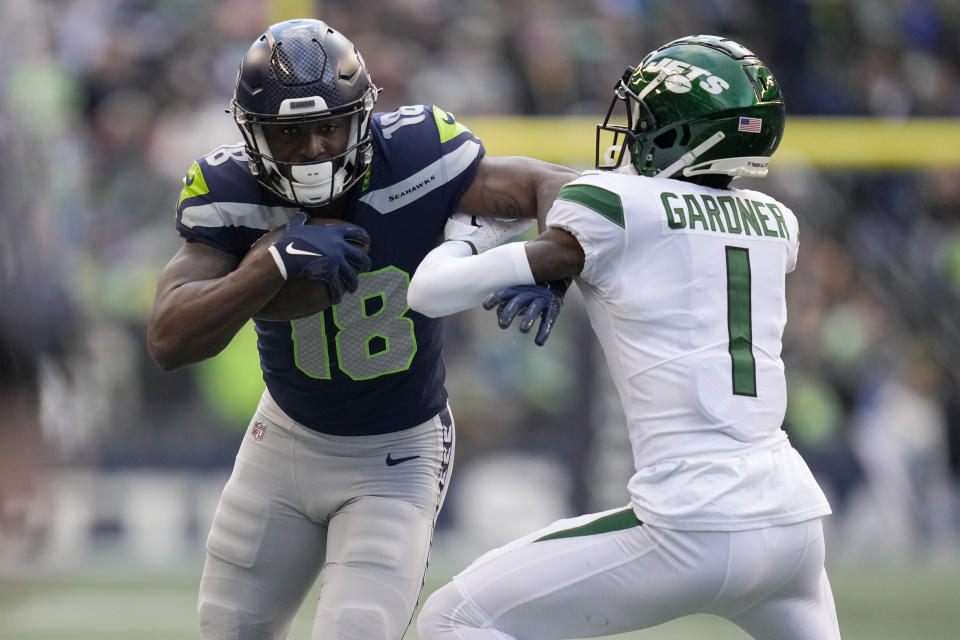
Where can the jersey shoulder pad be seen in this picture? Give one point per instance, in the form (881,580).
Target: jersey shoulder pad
(449,127)
(420,150)
(596,192)
(220,176)
(592,209)
(222,204)
(420,123)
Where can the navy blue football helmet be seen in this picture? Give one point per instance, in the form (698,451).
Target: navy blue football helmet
(299,72)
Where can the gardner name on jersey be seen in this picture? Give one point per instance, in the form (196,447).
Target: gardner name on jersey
(369,364)
(724,213)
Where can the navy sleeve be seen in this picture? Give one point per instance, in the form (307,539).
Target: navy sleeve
(222,205)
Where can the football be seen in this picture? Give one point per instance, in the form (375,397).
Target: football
(299,297)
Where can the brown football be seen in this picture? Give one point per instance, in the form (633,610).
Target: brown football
(299,297)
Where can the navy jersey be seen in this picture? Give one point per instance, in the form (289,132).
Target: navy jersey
(369,364)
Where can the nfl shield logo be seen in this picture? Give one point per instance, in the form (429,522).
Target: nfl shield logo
(257,431)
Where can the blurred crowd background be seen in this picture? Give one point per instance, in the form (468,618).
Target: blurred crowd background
(104,105)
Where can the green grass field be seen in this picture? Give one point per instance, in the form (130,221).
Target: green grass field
(872,605)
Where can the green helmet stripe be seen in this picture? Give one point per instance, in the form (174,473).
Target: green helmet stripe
(606,203)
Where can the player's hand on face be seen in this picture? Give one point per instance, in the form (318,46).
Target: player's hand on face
(532,301)
(323,252)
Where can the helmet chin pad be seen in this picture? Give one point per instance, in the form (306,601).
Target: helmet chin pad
(315,183)
(312,175)
(310,183)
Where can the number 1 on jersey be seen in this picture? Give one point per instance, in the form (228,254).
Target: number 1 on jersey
(739,325)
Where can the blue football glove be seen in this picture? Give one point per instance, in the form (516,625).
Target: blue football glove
(535,301)
(322,252)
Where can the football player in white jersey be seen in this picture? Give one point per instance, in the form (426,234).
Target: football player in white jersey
(683,278)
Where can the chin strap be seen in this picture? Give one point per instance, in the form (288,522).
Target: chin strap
(693,154)
(746,167)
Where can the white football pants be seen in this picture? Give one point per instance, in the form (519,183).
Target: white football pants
(301,504)
(606,573)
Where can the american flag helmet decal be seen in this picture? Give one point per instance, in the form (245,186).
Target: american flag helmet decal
(750,125)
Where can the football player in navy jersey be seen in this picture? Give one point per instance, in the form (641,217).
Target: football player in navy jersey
(345,464)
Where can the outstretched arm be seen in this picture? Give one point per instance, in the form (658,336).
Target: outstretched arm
(450,279)
(514,187)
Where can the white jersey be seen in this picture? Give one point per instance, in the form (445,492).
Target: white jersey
(685,288)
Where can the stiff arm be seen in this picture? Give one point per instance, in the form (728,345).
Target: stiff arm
(450,279)
(514,187)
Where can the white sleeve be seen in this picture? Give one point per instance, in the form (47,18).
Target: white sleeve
(793,229)
(450,279)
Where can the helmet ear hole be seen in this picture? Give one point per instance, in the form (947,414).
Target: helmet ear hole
(666,139)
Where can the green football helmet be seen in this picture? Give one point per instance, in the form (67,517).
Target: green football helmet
(696,106)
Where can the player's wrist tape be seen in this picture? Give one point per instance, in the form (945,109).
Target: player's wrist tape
(276,258)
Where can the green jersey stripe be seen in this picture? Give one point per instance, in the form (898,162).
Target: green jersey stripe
(606,203)
(616,521)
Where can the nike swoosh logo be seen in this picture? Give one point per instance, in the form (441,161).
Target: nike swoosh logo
(300,252)
(391,462)
(188,180)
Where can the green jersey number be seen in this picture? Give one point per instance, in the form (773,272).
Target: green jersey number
(739,324)
(373,336)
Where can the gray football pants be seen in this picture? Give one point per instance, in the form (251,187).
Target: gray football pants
(301,504)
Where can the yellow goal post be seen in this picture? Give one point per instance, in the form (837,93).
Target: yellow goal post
(873,143)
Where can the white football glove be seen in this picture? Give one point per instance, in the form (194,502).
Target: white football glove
(483,233)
